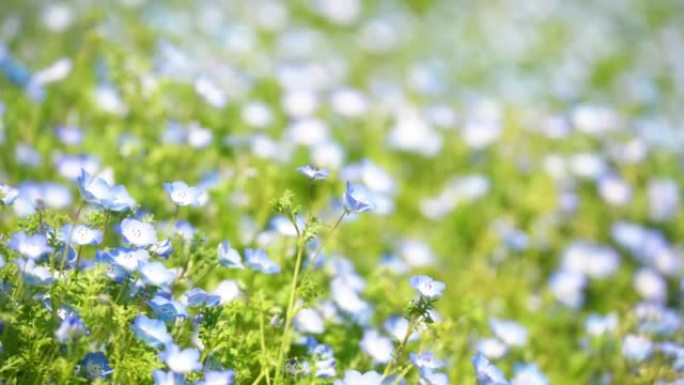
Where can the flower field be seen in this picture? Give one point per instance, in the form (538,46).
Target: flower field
(347,192)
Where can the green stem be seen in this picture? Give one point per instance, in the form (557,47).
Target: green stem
(401,346)
(264,357)
(258,378)
(289,315)
(68,240)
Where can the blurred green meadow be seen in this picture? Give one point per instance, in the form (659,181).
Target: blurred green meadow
(490,136)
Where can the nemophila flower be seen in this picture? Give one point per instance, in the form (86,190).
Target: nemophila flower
(348,300)
(227,290)
(352,377)
(416,253)
(324,360)
(218,377)
(181,361)
(492,348)
(161,377)
(183,195)
(284,226)
(353,202)
(70,166)
(257,259)
(32,246)
(528,374)
(162,248)
(167,309)
(313,173)
(594,261)
(95,365)
(309,321)
(655,318)
(568,287)
(426,286)
(81,235)
(199,297)
(69,135)
(33,196)
(153,332)
(614,190)
(32,274)
(486,373)
(597,325)
(637,348)
(138,233)
(8,194)
(510,332)
(377,346)
(156,274)
(70,327)
(128,259)
(228,256)
(97,191)
(426,360)
(663,199)
(650,285)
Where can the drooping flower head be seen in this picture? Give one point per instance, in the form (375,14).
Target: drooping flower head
(228,256)
(97,191)
(354,202)
(313,173)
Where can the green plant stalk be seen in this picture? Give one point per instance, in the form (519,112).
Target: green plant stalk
(401,346)
(289,315)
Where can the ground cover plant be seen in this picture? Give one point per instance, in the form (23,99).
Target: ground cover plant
(341,192)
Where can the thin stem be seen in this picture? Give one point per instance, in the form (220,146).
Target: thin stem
(68,240)
(105,227)
(263,348)
(258,378)
(289,315)
(401,346)
(318,250)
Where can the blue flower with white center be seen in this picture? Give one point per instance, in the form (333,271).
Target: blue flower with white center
(181,361)
(95,365)
(70,327)
(162,248)
(138,233)
(114,271)
(128,259)
(379,347)
(426,286)
(510,332)
(353,377)
(156,274)
(183,195)
(152,331)
(257,260)
(637,348)
(354,202)
(309,321)
(313,173)
(426,360)
(218,377)
(324,360)
(199,297)
(34,275)
(486,373)
(228,256)
(81,235)
(97,191)
(528,374)
(167,309)
(161,377)
(30,246)
(228,290)
(8,194)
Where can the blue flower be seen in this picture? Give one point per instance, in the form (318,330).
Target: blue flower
(428,377)
(163,248)
(228,256)
(183,195)
(181,361)
(510,332)
(259,261)
(81,235)
(95,365)
(426,286)
(33,274)
(379,347)
(167,309)
(152,331)
(353,202)
(167,378)
(637,348)
(8,194)
(97,191)
(324,360)
(199,297)
(528,374)
(70,327)
(313,173)
(127,259)
(138,233)
(218,377)
(30,246)
(156,274)
(426,360)
(353,377)
(486,373)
